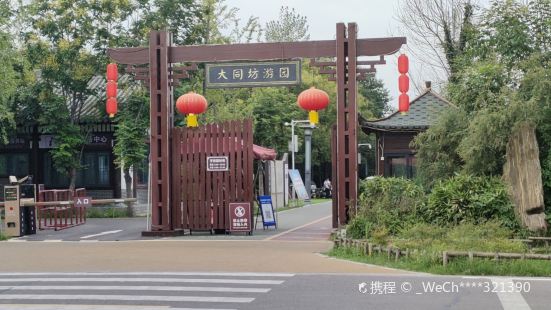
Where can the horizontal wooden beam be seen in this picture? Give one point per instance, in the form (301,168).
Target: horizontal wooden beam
(258,51)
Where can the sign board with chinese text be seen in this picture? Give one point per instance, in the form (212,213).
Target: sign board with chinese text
(267,211)
(298,185)
(253,74)
(83,202)
(218,163)
(240,217)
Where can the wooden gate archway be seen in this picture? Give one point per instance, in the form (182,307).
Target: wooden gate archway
(200,198)
(163,74)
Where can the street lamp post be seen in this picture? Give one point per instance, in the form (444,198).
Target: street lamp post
(293,144)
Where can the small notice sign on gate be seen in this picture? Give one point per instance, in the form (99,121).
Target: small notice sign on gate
(218,163)
(240,217)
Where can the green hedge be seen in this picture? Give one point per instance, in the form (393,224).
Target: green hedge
(466,198)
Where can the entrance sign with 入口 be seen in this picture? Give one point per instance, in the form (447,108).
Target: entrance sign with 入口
(240,216)
(253,74)
(83,202)
(218,163)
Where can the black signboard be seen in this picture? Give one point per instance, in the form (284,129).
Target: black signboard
(10,193)
(253,74)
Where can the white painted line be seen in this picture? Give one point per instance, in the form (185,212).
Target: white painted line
(101,234)
(139,288)
(94,307)
(297,228)
(510,277)
(155,280)
(53,240)
(510,300)
(17,240)
(127,298)
(214,274)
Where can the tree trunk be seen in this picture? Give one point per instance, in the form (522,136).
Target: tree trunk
(128,182)
(129,192)
(522,172)
(73,176)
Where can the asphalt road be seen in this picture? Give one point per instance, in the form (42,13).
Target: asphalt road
(197,290)
(125,229)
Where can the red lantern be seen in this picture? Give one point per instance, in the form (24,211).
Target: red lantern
(191,104)
(111,89)
(111,107)
(313,100)
(112,72)
(403,64)
(403,103)
(403,83)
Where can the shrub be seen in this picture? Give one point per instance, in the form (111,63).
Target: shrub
(466,198)
(389,202)
(358,228)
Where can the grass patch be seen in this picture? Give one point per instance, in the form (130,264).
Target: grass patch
(3,237)
(456,266)
(298,203)
(110,212)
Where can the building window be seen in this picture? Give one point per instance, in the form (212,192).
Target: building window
(400,166)
(95,171)
(16,164)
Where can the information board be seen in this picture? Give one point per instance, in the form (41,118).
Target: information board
(298,185)
(218,163)
(240,217)
(267,210)
(253,74)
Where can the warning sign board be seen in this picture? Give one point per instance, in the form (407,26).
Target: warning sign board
(218,163)
(240,216)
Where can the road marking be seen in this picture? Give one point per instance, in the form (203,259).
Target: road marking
(52,240)
(510,300)
(140,288)
(127,298)
(297,228)
(93,307)
(101,234)
(156,280)
(215,274)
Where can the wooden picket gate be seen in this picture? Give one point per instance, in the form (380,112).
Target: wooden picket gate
(200,198)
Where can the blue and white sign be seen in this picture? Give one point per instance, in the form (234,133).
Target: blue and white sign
(298,185)
(267,211)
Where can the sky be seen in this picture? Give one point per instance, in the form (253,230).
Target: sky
(375,18)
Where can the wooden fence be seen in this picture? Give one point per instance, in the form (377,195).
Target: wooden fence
(200,198)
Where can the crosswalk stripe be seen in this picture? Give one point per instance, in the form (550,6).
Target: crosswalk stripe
(212,274)
(128,298)
(172,280)
(95,307)
(139,288)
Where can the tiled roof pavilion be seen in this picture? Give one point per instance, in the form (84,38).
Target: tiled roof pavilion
(423,112)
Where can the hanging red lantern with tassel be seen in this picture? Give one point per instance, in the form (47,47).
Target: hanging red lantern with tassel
(111,106)
(111,89)
(313,100)
(191,104)
(403,84)
(112,72)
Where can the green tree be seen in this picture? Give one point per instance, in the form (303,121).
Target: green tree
(289,27)
(374,91)
(131,135)
(66,43)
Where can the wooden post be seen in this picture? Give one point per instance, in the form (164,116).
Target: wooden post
(445,258)
(161,115)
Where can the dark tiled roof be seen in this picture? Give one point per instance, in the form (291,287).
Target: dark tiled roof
(423,112)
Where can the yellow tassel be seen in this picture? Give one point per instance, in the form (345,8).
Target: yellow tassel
(314,117)
(191,120)
(111,115)
(403,113)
